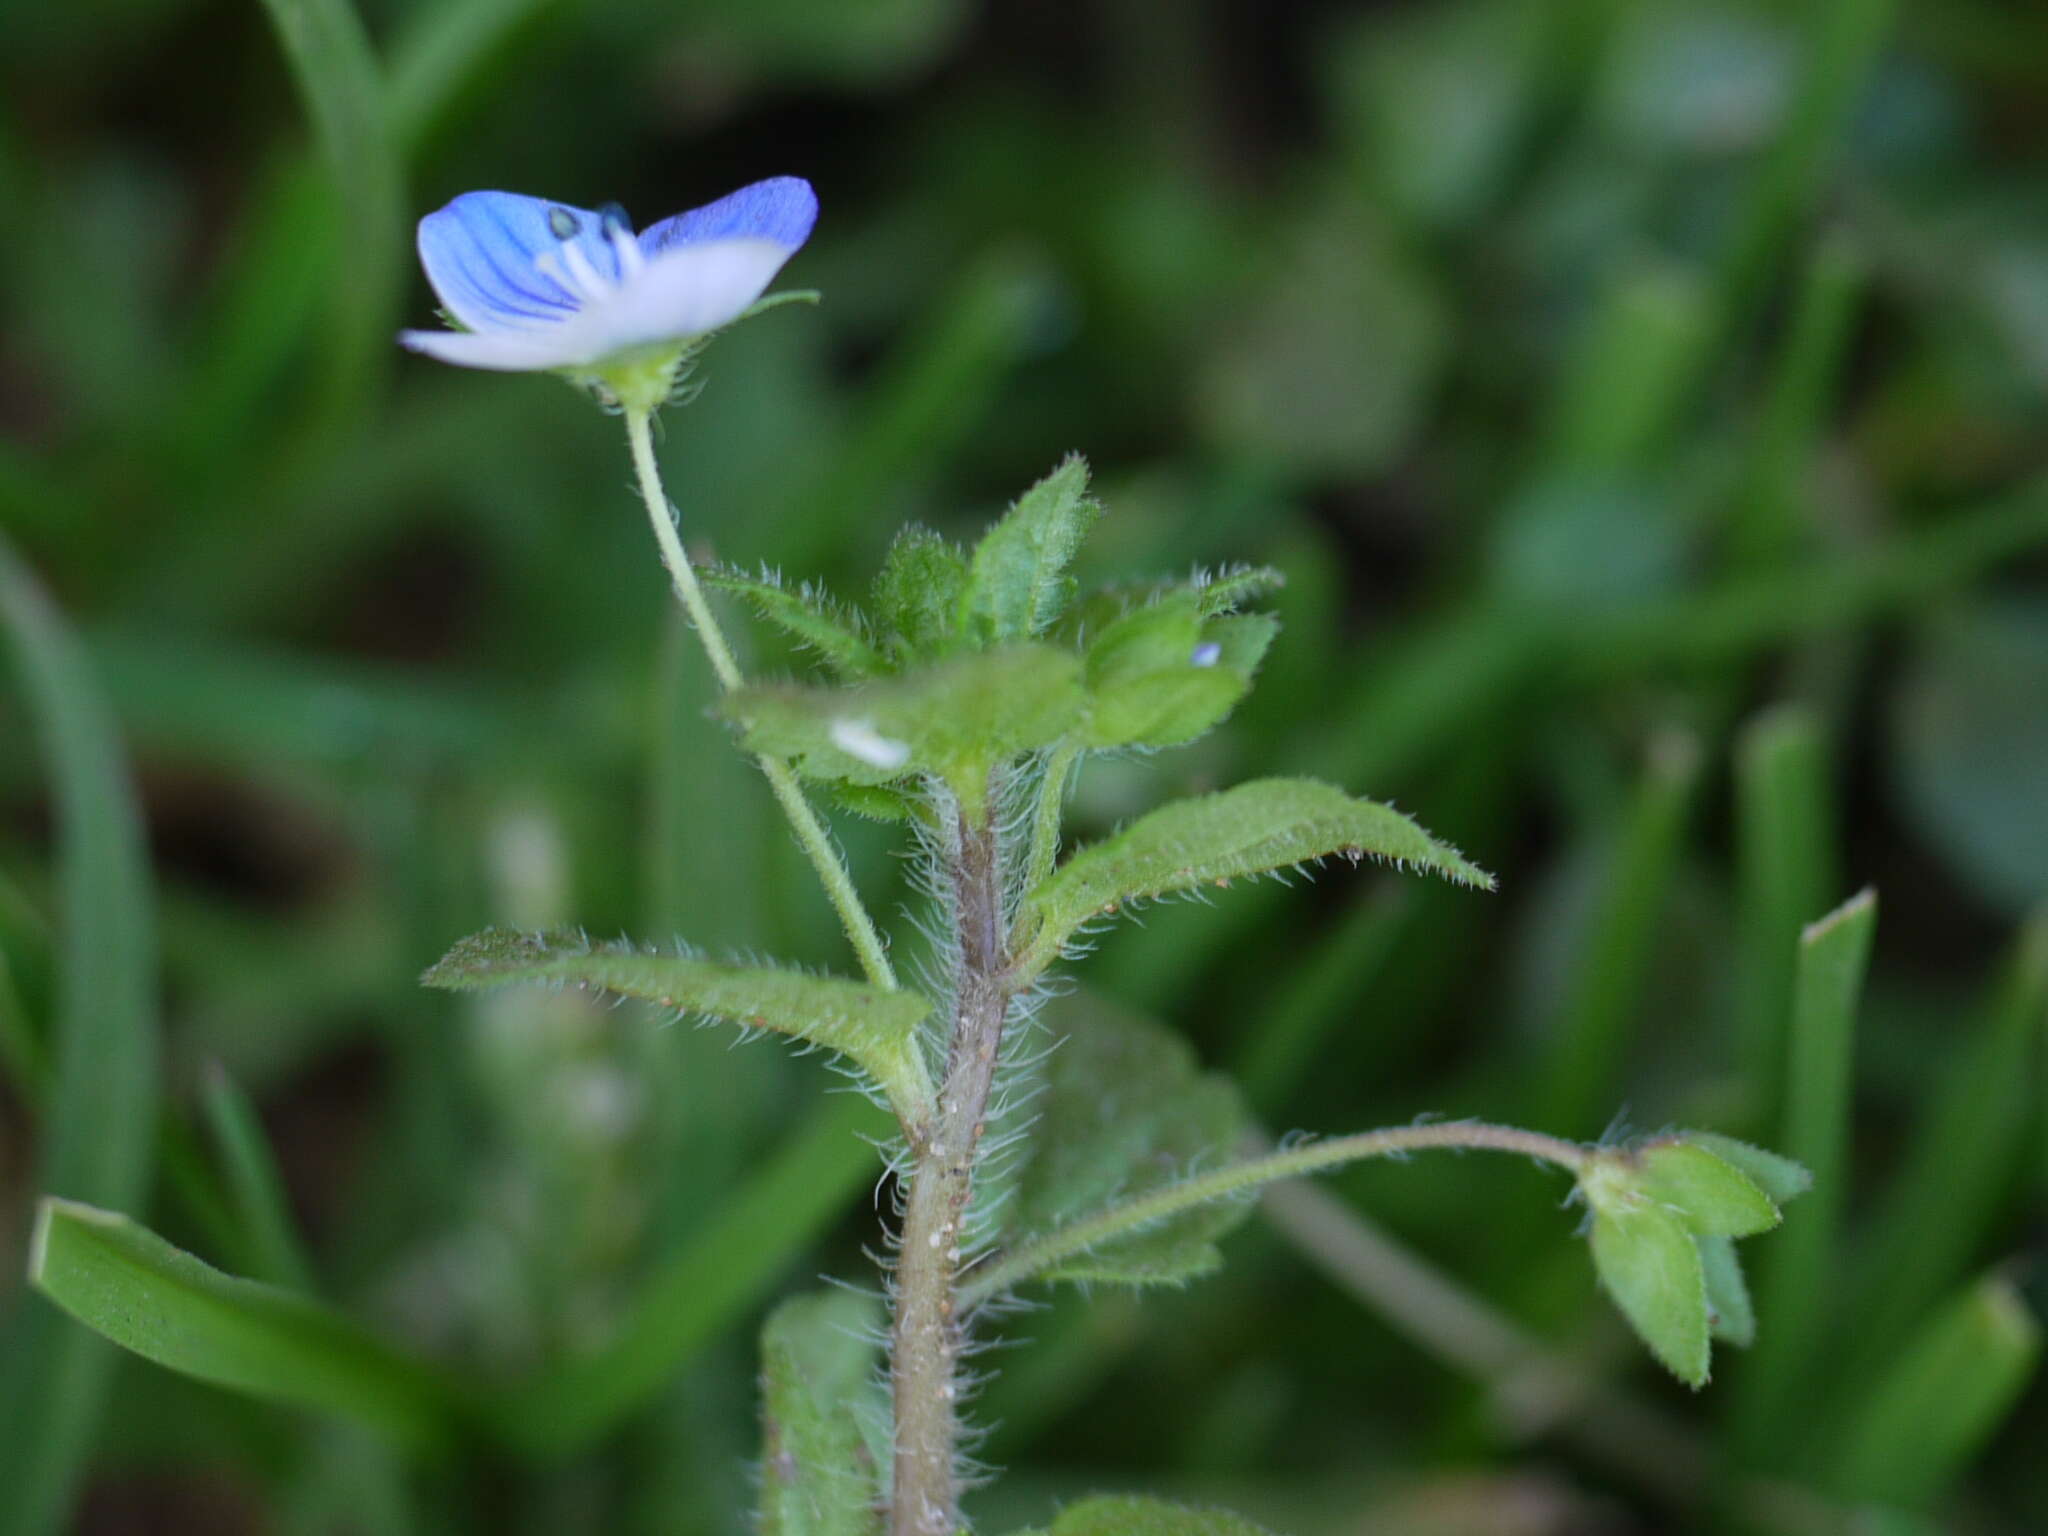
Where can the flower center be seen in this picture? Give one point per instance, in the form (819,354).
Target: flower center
(570,265)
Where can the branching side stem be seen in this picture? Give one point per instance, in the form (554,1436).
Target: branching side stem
(1078,1237)
(926,1336)
(816,842)
(1045,820)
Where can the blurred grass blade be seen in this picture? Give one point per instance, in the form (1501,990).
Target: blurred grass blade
(1766,518)
(720,1272)
(1799,1286)
(262,1214)
(337,74)
(22,1055)
(275,278)
(1947,1389)
(1272,1060)
(927,397)
(1786,866)
(101,1107)
(1642,352)
(1842,54)
(353,1482)
(127,1283)
(439,54)
(1591,1035)
(1965,1150)
(1823,595)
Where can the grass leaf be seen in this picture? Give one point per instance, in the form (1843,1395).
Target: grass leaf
(128,1284)
(101,1113)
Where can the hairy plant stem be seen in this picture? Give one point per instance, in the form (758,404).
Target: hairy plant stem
(926,1336)
(810,832)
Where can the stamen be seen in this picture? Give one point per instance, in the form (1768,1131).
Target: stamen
(627,249)
(549,265)
(595,286)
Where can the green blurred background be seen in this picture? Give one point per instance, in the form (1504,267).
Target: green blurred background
(1646,403)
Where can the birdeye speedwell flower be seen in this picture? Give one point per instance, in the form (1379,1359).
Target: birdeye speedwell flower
(539,286)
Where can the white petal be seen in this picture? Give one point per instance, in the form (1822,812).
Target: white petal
(681,293)
(503,351)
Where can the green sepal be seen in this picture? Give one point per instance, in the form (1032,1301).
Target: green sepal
(837,633)
(1126,1110)
(1779,1177)
(1209,840)
(1710,1195)
(1651,1267)
(1730,1315)
(952,719)
(1017,582)
(822,1402)
(874,1028)
(917,594)
(1148,1517)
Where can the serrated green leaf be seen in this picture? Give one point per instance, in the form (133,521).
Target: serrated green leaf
(1711,1196)
(1947,1390)
(917,593)
(1242,639)
(837,633)
(952,719)
(1164,709)
(1779,1177)
(874,1028)
(877,802)
(821,1398)
(1729,1313)
(1216,593)
(1651,1268)
(128,1284)
(1266,825)
(1148,1517)
(1017,582)
(1158,635)
(1227,590)
(1126,1110)
(1159,675)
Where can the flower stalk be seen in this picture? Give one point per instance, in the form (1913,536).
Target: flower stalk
(811,835)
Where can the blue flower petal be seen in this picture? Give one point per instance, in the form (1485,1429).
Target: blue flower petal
(480,253)
(781,209)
